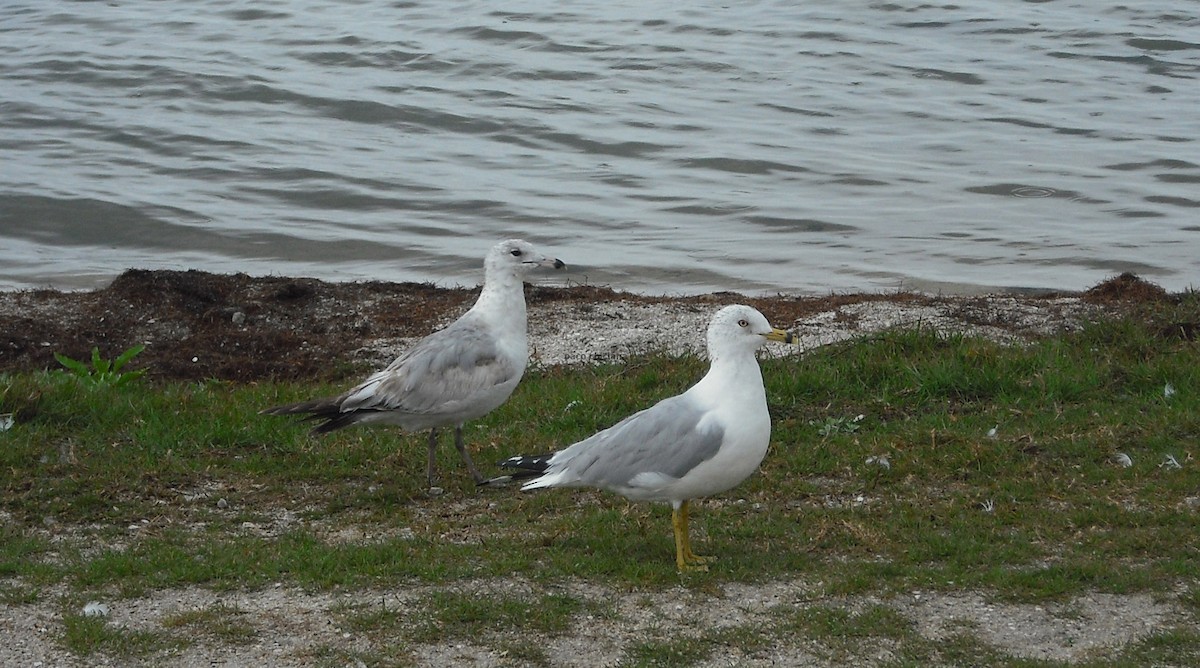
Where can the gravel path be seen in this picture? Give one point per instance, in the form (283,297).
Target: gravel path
(287,627)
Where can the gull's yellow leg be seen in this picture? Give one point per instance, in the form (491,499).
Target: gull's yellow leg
(685,559)
(690,556)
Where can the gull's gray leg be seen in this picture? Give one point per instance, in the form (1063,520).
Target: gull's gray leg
(466,456)
(431,463)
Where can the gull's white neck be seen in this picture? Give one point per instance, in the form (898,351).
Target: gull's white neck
(733,375)
(502,302)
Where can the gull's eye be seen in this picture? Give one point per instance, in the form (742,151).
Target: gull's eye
(743,323)
(516,252)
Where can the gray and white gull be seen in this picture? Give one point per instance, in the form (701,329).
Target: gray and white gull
(459,373)
(696,444)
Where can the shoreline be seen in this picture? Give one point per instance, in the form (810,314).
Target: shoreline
(198,325)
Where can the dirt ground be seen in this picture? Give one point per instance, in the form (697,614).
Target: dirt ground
(198,325)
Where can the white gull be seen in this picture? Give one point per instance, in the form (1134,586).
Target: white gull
(696,444)
(453,375)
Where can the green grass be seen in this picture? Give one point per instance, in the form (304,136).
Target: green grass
(514,624)
(227,624)
(670,653)
(448,615)
(137,487)
(84,635)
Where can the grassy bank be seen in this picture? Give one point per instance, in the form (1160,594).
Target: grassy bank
(907,460)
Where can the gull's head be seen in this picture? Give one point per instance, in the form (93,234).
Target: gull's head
(516,256)
(741,327)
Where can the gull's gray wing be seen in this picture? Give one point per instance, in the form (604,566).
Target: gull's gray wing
(440,373)
(668,439)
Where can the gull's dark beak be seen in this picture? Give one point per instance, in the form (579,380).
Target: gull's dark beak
(548,262)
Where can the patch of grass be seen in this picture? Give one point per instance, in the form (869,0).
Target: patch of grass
(672,653)
(224,623)
(834,623)
(513,625)
(964,648)
(86,635)
(839,634)
(747,639)
(175,559)
(1191,599)
(17,594)
(373,618)
(452,615)
(1175,647)
(29,557)
(325,656)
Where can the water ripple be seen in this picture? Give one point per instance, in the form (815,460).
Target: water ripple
(764,147)
(1032,192)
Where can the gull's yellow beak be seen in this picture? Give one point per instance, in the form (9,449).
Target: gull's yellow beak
(781,336)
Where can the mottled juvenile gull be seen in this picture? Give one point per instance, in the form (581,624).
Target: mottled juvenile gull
(699,443)
(453,375)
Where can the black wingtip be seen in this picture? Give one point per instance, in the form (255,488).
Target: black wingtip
(528,464)
(523,467)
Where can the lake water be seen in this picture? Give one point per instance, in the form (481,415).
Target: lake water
(681,148)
